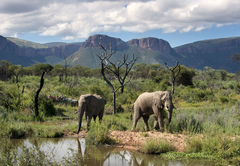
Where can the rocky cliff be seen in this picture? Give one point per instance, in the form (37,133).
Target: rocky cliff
(152,44)
(93,42)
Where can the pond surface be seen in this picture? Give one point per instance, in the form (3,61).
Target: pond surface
(100,156)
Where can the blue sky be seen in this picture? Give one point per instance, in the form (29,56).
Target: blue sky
(177,21)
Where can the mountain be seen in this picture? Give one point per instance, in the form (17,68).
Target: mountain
(27,53)
(146,50)
(214,53)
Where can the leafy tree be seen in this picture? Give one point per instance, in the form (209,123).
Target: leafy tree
(58,70)
(141,70)
(16,70)
(185,77)
(4,72)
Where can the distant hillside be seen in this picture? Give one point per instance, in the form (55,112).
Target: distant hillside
(27,53)
(214,53)
(145,52)
(60,43)
(24,43)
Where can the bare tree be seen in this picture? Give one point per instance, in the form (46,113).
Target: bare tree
(44,68)
(174,75)
(108,66)
(67,64)
(104,65)
(116,67)
(235,57)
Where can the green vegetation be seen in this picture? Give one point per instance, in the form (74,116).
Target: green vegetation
(99,135)
(208,103)
(24,43)
(154,146)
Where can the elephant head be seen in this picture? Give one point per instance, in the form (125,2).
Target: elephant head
(164,99)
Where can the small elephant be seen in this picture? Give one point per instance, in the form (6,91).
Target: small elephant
(152,103)
(93,106)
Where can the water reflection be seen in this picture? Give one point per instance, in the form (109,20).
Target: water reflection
(100,156)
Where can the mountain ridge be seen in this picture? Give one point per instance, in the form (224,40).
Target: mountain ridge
(214,53)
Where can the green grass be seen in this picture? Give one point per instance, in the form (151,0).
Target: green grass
(157,146)
(99,135)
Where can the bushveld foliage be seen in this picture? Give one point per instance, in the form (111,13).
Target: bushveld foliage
(208,103)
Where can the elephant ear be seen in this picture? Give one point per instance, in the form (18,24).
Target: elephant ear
(158,99)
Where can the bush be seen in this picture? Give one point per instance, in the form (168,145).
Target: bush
(155,146)
(98,135)
(224,99)
(222,148)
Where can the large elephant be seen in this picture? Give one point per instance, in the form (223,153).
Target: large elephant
(93,106)
(152,103)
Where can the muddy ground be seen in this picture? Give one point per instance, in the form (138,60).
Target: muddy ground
(134,140)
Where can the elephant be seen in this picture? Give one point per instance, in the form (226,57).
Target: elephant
(152,103)
(93,106)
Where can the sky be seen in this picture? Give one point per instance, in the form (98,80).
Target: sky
(177,21)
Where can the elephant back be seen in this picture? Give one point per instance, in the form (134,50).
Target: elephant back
(98,96)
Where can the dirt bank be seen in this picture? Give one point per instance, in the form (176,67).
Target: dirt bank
(133,140)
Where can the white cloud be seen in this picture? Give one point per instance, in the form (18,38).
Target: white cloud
(73,19)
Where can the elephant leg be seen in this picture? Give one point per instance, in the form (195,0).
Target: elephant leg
(156,126)
(145,118)
(94,118)
(88,118)
(158,114)
(160,121)
(100,116)
(135,120)
(80,116)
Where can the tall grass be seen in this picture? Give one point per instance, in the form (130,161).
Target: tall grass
(157,146)
(208,119)
(99,135)
(224,150)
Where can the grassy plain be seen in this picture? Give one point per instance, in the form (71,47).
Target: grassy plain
(208,112)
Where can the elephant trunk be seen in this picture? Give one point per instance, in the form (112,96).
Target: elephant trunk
(169,116)
(80,110)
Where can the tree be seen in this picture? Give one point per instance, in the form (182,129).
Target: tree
(235,57)
(114,68)
(104,65)
(174,75)
(4,73)
(45,68)
(58,70)
(67,64)
(16,70)
(141,70)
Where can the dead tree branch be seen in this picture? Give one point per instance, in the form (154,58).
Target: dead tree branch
(173,73)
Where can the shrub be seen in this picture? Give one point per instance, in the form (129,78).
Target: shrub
(155,146)
(98,135)
(224,99)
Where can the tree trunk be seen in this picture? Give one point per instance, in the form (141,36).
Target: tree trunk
(122,89)
(114,103)
(37,94)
